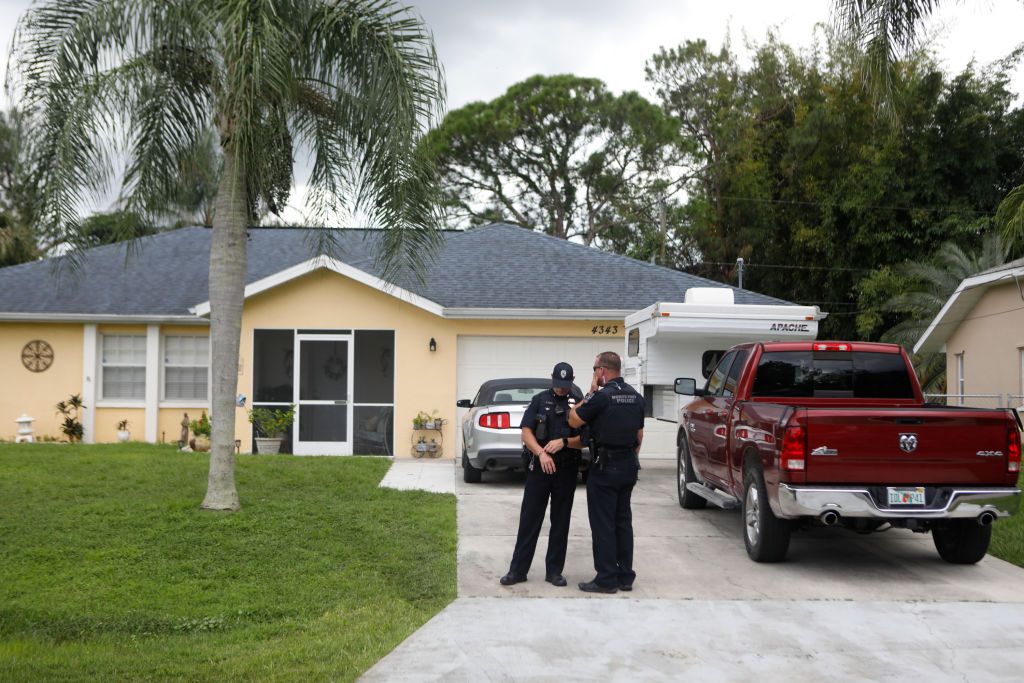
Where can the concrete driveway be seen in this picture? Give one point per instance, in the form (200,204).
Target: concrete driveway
(843,606)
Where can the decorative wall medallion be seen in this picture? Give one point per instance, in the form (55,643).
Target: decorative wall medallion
(37,356)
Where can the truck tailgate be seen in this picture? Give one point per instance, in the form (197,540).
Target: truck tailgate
(915,446)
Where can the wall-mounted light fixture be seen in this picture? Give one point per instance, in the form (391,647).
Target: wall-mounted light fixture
(433,345)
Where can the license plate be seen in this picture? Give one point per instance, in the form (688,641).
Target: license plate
(906,496)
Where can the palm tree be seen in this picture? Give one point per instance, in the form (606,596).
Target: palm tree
(887,30)
(932,282)
(352,83)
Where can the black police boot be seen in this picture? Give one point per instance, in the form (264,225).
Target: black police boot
(556,580)
(511,579)
(591,587)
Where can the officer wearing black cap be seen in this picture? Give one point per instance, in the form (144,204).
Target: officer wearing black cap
(553,450)
(614,412)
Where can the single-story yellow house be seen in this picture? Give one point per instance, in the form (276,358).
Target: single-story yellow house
(360,357)
(981,330)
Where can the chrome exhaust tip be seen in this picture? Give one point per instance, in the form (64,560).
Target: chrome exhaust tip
(829,518)
(986,518)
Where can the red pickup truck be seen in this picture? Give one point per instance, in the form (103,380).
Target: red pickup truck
(838,433)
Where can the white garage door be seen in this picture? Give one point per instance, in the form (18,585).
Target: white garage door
(480,358)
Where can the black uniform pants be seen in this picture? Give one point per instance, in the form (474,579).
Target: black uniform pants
(560,488)
(609,490)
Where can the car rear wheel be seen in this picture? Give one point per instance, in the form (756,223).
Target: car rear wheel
(470,474)
(962,541)
(685,475)
(765,535)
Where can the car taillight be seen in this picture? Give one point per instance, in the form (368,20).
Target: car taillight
(832,347)
(794,449)
(495,420)
(1012,449)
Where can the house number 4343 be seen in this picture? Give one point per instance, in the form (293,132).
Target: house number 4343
(604,329)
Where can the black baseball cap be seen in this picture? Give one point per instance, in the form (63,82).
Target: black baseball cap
(561,376)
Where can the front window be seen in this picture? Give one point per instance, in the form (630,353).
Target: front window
(186,367)
(717,380)
(733,378)
(123,366)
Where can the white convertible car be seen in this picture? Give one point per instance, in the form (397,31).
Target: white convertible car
(490,430)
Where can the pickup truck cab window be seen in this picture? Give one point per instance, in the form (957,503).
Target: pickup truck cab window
(832,374)
(717,380)
(732,379)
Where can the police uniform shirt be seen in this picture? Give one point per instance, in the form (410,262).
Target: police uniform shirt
(557,426)
(615,413)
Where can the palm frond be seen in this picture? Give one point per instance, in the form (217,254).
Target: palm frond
(1010,218)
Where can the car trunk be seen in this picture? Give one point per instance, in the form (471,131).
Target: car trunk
(910,446)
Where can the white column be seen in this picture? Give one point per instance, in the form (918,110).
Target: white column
(153,361)
(89,378)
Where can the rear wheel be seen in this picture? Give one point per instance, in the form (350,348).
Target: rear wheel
(962,541)
(765,535)
(685,475)
(470,474)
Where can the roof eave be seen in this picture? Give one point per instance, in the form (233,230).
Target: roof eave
(535,313)
(112,318)
(956,308)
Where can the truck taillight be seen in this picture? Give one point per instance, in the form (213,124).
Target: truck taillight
(1012,449)
(794,449)
(495,420)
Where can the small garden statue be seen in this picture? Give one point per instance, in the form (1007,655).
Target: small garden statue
(184,432)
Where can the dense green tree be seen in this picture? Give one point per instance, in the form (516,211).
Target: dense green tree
(17,197)
(803,179)
(887,31)
(352,83)
(563,155)
(110,227)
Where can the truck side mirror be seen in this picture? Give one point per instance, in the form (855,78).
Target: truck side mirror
(464,403)
(686,386)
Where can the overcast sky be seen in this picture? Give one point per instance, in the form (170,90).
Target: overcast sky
(487,45)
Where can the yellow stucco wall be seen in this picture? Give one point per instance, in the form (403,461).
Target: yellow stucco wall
(36,393)
(991,339)
(425,381)
(107,419)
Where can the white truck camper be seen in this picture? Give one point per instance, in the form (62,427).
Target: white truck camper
(669,340)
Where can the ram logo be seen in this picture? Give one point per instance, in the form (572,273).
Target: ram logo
(908,442)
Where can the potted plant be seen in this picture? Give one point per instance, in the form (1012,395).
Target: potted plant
(201,430)
(272,425)
(122,431)
(427,421)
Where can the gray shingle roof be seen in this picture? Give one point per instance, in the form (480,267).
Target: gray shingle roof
(497,266)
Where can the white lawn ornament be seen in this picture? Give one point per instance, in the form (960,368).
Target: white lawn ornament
(25,429)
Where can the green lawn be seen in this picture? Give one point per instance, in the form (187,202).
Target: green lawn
(110,571)
(1008,536)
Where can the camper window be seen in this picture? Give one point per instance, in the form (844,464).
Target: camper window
(633,345)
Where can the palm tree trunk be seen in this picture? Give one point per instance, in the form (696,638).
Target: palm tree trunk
(228,261)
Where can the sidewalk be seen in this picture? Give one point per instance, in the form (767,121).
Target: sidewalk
(406,474)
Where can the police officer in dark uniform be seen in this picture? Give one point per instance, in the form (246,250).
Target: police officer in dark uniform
(552,452)
(614,412)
